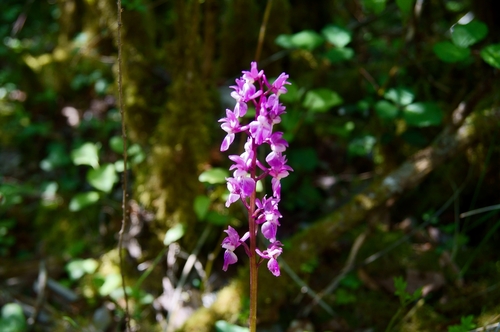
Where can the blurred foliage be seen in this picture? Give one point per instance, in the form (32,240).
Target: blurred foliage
(374,81)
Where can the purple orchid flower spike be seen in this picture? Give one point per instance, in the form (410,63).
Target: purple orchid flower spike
(253,89)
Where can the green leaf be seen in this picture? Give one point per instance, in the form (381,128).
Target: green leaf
(284,41)
(119,166)
(386,110)
(374,6)
(112,282)
(468,34)
(400,285)
(343,296)
(201,206)
(103,178)
(134,149)
(79,201)
(321,100)
(223,326)
(491,55)
(401,96)
(405,6)
(214,175)
(116,144)
(455,6)
(87,154)
(339,54)
(422,114)
(351,281)
(174,234)
(306,39)
(448,52)
(79,267)
(336,35)
(12,319)
(466,324)
(361,146)
(57,157)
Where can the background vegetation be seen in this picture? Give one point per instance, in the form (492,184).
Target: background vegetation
(390,219)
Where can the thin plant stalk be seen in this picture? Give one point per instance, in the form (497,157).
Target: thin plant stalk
(262,31)
(253,257)
(124,182)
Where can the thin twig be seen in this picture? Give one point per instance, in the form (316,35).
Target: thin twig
(305,287)
(41,286)
(481,210)
(347,268)
(350,266)
(124,176)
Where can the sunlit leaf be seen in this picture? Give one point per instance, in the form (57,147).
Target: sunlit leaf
(223,326)
(448,52)
(491,55)
(119,166)
(423,114)
(321,100)
(284,41)
(400,95)
(174,234)
(79,201)
(79,267)
(112,282)
(101,86)
(103,178)
(468,34)
(87,154)
(361,146)
(201,205)
(134,149)
(336,35)
(386,110)
(306,39)
(12,318)
(214,175)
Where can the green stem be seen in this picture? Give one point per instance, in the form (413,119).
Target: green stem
(393,319)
